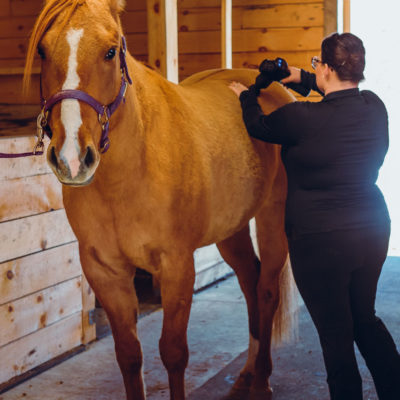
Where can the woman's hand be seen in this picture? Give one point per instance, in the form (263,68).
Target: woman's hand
(237,87)
(295,76)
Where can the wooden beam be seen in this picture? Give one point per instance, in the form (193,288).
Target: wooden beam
(346,15)
(330,17)
(226,33)
(162,23)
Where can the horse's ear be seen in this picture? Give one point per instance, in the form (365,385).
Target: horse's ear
(117,5)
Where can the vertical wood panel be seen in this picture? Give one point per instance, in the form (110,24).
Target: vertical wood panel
(226,33)
(163,37)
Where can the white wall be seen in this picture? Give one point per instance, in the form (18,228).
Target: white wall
(377,24)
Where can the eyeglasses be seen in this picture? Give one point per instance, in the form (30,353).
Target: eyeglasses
(314,61)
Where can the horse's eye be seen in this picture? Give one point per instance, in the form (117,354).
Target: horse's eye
(111,54)
(41,53)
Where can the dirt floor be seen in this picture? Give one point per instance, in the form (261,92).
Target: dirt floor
(218,341)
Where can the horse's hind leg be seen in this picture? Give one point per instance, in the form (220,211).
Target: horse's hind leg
(273,253)
(112,282)
(177,281)
(239,253)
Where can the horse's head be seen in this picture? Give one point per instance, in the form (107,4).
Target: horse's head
(81,46)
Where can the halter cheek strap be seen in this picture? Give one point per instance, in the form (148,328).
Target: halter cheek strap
(104,112)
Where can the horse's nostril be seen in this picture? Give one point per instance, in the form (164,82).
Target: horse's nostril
(53,157)
(89,158)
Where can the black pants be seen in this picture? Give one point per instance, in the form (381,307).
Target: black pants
(337,275)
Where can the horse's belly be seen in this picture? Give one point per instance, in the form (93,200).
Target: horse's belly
(240,186)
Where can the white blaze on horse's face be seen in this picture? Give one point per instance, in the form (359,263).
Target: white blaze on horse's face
(70,108)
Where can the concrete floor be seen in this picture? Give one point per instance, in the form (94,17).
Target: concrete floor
(218,341)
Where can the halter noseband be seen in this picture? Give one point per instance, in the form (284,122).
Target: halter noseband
(104,112)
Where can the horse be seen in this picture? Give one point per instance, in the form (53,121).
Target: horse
(153,170)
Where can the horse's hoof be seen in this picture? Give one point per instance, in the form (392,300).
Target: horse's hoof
(237,394)
(243,382)
(260,394)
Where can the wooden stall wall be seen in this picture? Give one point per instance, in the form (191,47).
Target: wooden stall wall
(292,29)
(44,298)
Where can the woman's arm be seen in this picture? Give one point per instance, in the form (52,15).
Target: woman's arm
(273,128)
(301,81)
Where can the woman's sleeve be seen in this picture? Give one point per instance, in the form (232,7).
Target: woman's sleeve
(308,83)
(279,127)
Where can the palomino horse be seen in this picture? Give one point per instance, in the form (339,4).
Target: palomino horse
(180,173)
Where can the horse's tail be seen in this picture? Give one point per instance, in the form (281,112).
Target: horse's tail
(286,316)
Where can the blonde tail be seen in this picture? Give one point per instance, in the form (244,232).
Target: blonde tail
(285,326)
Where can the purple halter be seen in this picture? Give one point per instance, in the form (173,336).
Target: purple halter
(104,112)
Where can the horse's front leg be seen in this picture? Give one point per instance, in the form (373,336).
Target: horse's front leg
(112,281)
(177,281)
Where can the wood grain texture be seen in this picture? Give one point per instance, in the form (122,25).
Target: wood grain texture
(39,347)
(29,274)
(33,234)
(21,167)
(27,196)
(34,312)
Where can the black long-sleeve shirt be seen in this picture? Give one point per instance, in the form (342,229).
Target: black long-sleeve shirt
(332,151)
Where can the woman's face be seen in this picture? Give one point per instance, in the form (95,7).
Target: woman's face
(319,68)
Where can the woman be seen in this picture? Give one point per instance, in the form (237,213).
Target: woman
(337,222)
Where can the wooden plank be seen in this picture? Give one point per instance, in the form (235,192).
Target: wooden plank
(33,234)
(192,63)
(5,9)
(346,15)
(11,90)
(13,47)
(35,272)
(134,21)
(16,27)
(88,304)
(26,7)
(171,32)
(18,121)
(31,313)
(330,17)
(226,34)
(17,63)
(253,40)
(39,347)
(137,43)
(279,16)
(21,167)
(163,37)
(236,3)
(27,196)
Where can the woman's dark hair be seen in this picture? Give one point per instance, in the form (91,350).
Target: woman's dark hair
(344,53)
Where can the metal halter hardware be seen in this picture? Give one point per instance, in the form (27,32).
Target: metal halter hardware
(104,112)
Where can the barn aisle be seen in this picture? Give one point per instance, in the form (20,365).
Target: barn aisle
(218,340)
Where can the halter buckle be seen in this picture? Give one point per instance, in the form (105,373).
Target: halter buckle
(103,118)
(39,146)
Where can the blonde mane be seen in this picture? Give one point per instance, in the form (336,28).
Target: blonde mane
(50,12)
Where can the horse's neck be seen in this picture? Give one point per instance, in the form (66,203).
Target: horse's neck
(130,136)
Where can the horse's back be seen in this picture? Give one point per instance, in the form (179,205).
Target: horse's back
(272,98)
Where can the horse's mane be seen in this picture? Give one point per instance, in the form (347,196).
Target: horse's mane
(50,12)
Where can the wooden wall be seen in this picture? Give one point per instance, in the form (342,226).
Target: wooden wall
(44,298)
(292,29)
